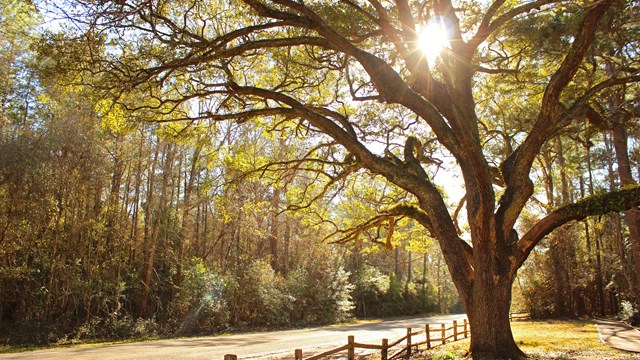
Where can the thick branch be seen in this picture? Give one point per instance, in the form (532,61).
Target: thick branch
(571,63)
(389,83)
(517,166)
(617,201)
(406,18)
(429,197)
(582,103)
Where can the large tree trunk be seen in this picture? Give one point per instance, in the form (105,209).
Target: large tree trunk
(488,312)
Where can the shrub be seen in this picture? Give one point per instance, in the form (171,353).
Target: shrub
(629,313)
(369,286)
(114,326)
(320,292)
(257,297)
(201,306)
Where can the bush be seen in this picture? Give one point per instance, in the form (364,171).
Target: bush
(201,306)
(369,286)
(629,313)
(257,298)
(115,326)
(393,300)
(321,293)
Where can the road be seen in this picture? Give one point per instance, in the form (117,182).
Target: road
(275,344)
(618,335)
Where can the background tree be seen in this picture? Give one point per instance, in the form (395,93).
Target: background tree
(115,226)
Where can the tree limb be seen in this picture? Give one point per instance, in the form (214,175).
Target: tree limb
(517,166)
(617,201)
(487,27)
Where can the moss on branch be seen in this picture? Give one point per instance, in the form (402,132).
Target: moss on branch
(616,201)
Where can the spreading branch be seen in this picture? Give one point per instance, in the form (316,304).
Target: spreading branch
(616,201)
(517,166)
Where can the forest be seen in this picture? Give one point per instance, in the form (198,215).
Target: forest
(182,167)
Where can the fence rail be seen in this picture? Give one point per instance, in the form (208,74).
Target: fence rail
(446,334)
(519,316)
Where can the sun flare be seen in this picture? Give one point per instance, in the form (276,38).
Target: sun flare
(433,38)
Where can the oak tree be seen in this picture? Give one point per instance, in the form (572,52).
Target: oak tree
(350,76)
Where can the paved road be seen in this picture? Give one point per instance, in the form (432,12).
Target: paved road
(274,344)
(618,335)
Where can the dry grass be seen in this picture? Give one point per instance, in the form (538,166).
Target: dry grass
(546,340)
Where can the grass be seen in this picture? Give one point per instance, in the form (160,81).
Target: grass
(546,340)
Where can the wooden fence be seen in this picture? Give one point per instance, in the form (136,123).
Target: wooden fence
(519,316)
(434,335)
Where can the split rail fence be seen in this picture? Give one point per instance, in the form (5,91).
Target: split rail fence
(434,335)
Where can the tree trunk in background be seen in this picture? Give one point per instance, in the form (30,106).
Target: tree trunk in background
(273,236)
(396,262)
(409,273)
(564,181)
(114,192)
(556,241)
(183,236)
(168,189)
(287,245)
(568,241)
(627,280)
(439,283)
(599,281)
(149,246)
(424,280)
(626,179)
(138,185)
(114,237)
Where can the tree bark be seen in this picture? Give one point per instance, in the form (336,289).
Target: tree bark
(626,179)
(488,310)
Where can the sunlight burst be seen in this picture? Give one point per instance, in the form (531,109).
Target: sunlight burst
(433,38)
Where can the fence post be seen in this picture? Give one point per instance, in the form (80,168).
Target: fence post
(351,351)
(298,354)
(230,357)
(455,330)
(465,328)
(428,334)
(444,332)
(408,343)
(384,353)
